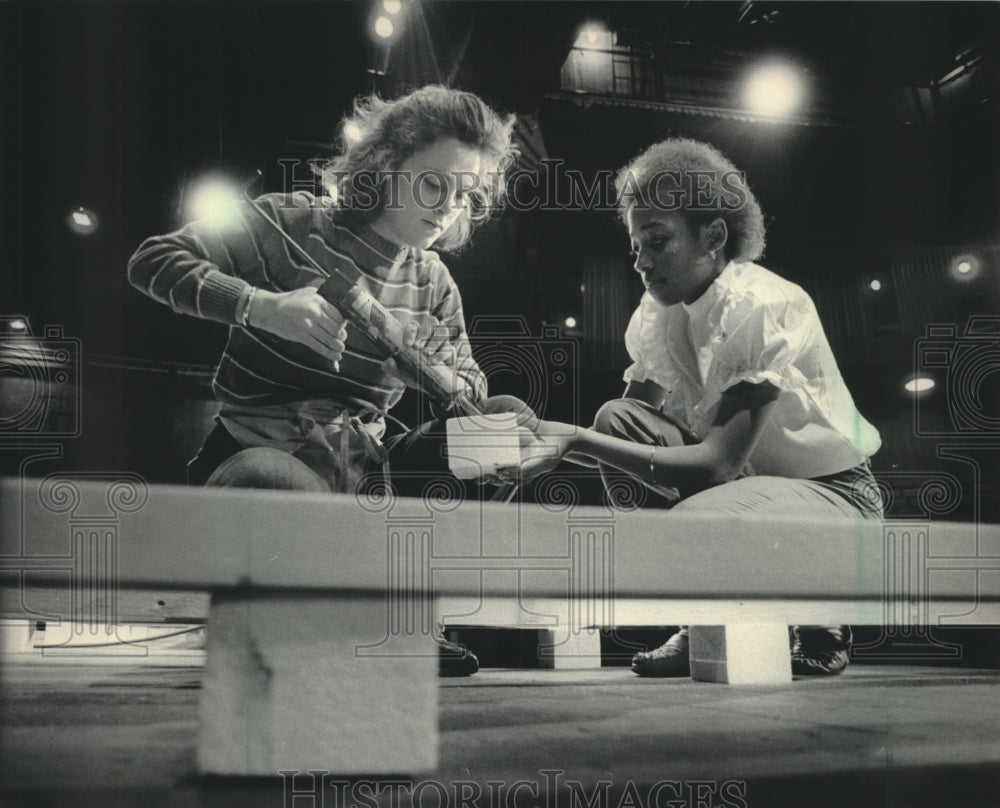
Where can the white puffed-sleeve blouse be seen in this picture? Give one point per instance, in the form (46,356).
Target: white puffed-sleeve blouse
(753,326)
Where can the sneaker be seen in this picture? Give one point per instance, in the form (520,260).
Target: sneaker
(455,659)
(670,659)
(820,650)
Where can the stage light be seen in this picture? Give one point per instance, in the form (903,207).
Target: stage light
(965,268)
(875,285)
(82,221)
(17,325)
(774,89)
(392,6)
(384,27)
(571,322)
(593,36)
(920,384)
(591,60)
(352,132)
(213,200)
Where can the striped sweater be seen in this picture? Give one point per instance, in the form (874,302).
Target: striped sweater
(207,272)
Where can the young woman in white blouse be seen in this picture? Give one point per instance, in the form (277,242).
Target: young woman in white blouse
(733,401)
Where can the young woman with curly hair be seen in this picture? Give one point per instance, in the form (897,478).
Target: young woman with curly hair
(733,402)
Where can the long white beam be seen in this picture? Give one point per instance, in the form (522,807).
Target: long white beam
(176,537)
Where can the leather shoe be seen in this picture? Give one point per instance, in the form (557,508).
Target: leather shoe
(670,659)
(820,650)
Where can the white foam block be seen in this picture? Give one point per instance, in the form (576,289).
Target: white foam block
(287,686)
(566,648)
(741,654)
(479,445)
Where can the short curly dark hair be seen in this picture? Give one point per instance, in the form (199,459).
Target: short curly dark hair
(389,132)
(698,181)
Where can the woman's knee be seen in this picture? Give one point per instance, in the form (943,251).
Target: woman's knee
(635,420)
(263,467)
(614,416)
(787,496)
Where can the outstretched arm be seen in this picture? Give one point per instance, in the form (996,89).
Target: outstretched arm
(218,273)
(739,423)
(647,391)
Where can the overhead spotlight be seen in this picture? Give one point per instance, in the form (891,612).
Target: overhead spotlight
(571,322)
(593,36)
(352,132)
(875,284)
(965,268)
(383,27)
(82,221)
(774,89)
(392,6)
(919,384)
(213,200)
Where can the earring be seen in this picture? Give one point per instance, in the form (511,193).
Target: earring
(711,254)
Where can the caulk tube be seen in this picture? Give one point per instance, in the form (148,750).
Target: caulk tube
(363,311)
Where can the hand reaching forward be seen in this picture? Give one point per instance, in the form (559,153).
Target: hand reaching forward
(543,447)
(302,316)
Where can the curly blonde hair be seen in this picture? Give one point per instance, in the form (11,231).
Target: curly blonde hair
(389,132)
(703,185)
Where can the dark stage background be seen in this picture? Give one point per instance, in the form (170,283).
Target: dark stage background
(889,172)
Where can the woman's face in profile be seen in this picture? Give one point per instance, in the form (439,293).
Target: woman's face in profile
(670,255)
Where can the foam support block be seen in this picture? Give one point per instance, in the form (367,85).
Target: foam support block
(289,686)
(570,649)
(479,445)
(741,654)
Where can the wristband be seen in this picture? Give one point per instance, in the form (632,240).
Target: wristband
(245,316)
(652,471)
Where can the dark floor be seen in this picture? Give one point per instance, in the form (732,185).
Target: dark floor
(123,734)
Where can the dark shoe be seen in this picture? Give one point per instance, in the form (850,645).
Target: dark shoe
(670,659)
(820,650)
(455,659)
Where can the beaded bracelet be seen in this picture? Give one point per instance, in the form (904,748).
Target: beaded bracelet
(245,317)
